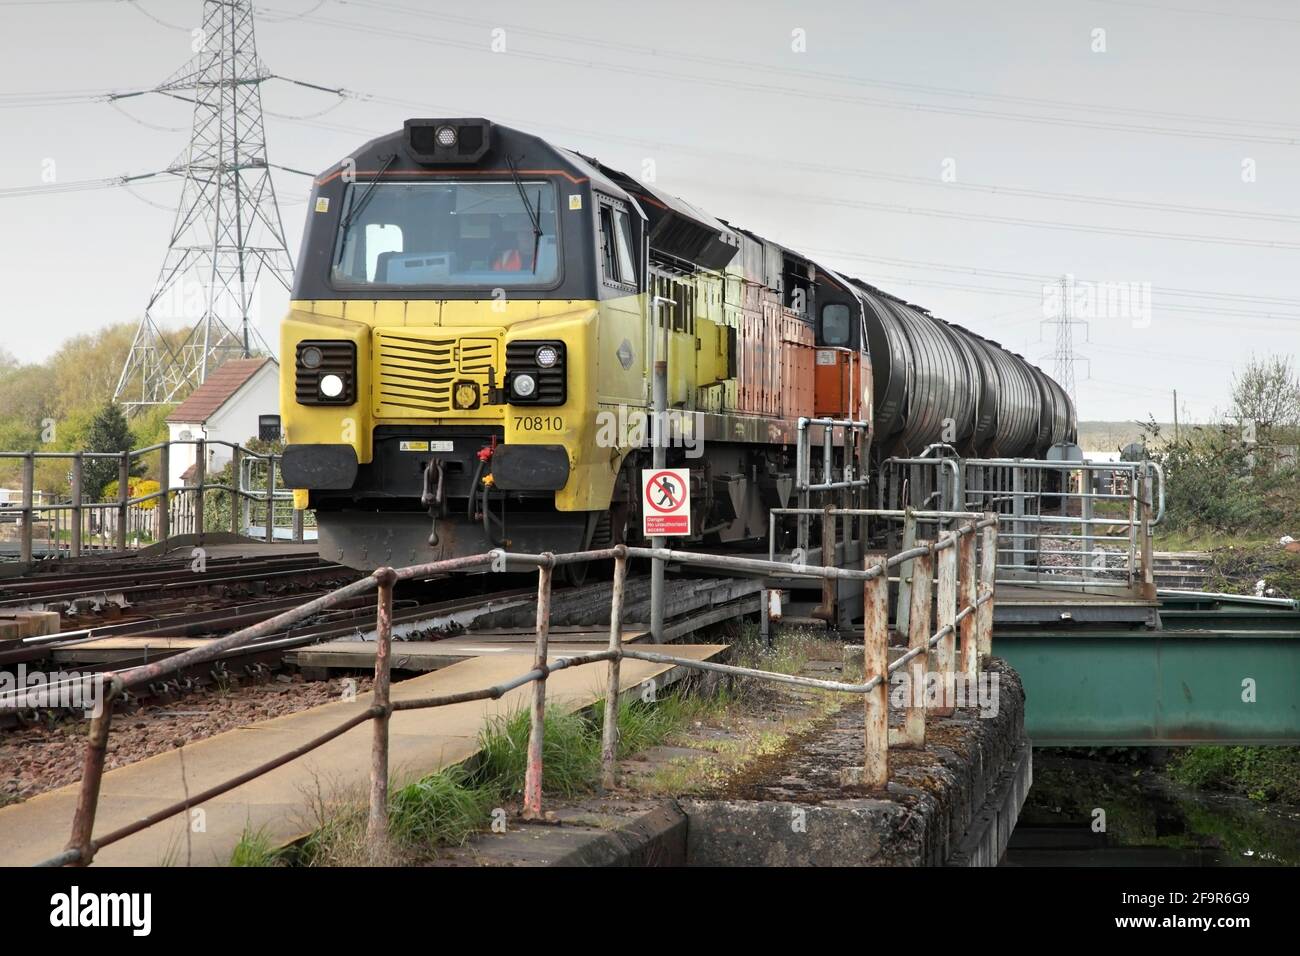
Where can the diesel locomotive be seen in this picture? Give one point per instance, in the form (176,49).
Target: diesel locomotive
(474,326)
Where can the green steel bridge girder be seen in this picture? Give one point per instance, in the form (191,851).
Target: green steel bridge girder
(1139,687)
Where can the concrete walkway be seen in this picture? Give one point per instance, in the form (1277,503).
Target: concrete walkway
(280,804)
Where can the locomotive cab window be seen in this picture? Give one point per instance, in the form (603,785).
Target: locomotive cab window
(618,265)
(837,324)
(448,235)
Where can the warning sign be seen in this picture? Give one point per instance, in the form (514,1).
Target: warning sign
(665,502)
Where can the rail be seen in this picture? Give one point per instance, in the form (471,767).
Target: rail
(1065,523)
(134,520)
(964,608)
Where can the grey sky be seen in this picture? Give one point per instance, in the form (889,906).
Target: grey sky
(842,150)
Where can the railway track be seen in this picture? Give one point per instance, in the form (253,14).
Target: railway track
(78,592)
(158,628)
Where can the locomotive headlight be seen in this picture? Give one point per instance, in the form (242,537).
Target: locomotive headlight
(523,385)
(311,357)
(331,386)
(446,136)
(547,356)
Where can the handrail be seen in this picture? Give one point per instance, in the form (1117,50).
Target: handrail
(240,495)
(966,567)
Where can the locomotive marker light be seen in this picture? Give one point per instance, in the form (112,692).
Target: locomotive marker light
(665,501)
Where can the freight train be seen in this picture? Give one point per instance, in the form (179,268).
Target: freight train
(477,313)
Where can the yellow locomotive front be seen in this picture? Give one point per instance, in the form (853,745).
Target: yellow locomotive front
(442,379)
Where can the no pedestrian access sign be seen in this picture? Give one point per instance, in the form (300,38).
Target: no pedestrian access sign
(665,502)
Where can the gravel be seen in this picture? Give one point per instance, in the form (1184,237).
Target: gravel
(40,758)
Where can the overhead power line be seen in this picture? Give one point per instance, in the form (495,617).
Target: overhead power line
(77,186)
(784,90)
(1014,220)
(1091,199)
(1043,277)
(838,78)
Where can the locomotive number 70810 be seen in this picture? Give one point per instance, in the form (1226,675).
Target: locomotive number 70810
(539,423)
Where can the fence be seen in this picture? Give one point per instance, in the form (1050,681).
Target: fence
(77,525)
(960,568)
(1065,523)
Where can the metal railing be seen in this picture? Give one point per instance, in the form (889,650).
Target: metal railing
(135,521)
(961,565)
(851,436)
(846,480)
(1065,523)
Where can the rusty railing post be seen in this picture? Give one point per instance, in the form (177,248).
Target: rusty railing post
(946,606)
(966,595)
(1148,558)
(237,483)
(377,826)
(123,496)
(609,732)
(92,773)
(74,542)
(165,486)
(987,583)
(298,516)
(29,516)
(201,482)
(918,640)
(270,499)
(906,571)
(826,610)
(875,664)
(537,730)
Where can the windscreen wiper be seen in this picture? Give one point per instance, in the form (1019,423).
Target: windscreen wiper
(360,204)
(535,217)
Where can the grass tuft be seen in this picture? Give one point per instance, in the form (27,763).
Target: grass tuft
(256,849)
(570,753)
(442,809)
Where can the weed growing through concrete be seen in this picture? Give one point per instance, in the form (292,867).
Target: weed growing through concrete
(256,848)
(447,807)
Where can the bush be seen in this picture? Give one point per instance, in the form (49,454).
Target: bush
(1265,774)
(1217,483)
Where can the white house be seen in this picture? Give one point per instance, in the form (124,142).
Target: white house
(224,408)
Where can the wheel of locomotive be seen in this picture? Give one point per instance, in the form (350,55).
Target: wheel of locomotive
(575,574)
(602,536)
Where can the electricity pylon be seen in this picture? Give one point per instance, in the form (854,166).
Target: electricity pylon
(1063,356)
(227,233)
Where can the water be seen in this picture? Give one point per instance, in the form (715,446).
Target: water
(1084,811)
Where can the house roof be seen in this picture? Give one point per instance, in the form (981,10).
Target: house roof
(220,387)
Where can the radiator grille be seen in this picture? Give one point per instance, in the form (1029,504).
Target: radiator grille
(415,374)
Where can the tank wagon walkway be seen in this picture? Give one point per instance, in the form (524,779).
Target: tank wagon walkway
(280,803)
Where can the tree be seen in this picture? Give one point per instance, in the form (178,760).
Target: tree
(1266,394)
(108,432)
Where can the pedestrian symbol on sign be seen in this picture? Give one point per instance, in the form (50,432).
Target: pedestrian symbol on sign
(666,502)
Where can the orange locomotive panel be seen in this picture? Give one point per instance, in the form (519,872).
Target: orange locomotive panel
(835,388)
(797,369)
(843,379)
